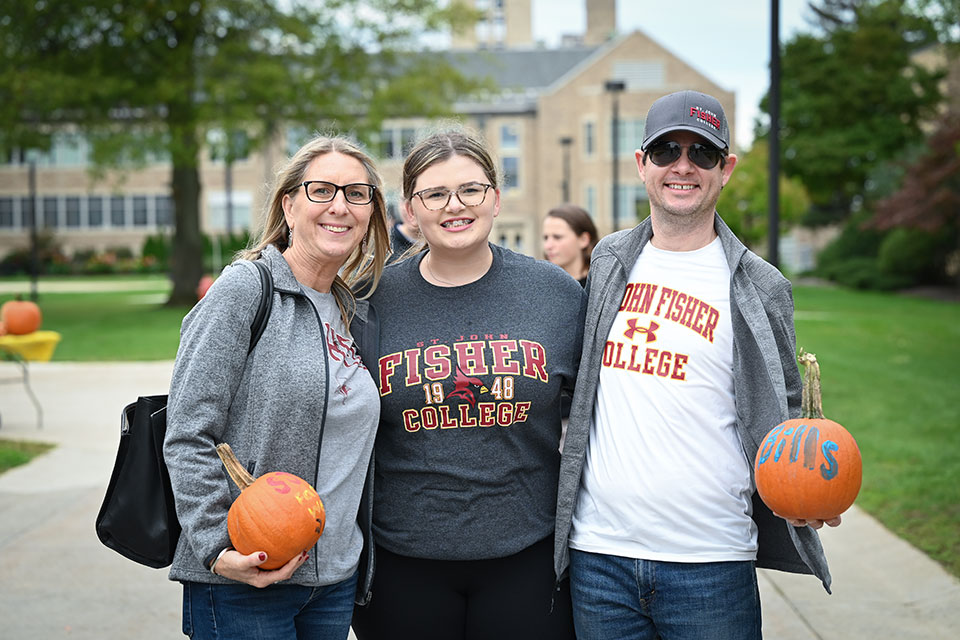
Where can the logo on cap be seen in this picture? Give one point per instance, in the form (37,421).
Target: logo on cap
(706,117)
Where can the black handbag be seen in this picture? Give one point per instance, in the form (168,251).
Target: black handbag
(138,519)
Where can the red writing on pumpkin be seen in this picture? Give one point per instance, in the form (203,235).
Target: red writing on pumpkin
(279,481)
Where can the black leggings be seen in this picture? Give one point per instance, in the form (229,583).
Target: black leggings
(501,599)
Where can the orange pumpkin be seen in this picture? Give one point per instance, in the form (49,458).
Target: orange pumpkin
(277,513)
(809,468)
(20,317)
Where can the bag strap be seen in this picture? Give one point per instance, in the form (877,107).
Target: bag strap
(266,304)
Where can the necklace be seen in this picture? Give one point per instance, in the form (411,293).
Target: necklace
(428,260)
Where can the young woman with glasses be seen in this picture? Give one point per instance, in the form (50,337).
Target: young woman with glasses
(303,402)
(476,344)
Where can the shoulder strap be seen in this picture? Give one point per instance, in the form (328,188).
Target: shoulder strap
(266,304)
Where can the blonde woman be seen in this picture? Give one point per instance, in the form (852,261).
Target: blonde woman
(303,401)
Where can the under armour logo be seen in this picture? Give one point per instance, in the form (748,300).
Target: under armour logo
(632,329)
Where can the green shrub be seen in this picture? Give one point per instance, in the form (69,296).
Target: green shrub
(917,256)
(861,272)
(157,248)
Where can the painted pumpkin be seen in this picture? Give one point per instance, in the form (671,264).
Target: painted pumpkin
(277,513)
(809,468)
(20,317)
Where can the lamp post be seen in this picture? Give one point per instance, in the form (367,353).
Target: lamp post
(615,87)
(34,241)
(774,161)
(565,142)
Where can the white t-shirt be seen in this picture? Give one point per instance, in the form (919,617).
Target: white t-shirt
(666,477)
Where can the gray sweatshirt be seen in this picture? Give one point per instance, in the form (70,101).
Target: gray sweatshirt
(270,407)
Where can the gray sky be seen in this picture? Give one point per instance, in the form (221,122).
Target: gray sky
(728,42)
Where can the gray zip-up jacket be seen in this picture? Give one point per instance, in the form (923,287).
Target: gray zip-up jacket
(767,382)
(269,405)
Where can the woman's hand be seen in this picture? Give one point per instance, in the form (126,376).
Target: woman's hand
(816,524)
(236,566)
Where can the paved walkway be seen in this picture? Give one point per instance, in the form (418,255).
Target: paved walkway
(58,581)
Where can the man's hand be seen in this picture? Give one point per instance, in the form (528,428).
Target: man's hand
(816,524)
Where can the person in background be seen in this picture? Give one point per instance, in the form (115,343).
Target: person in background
(477,342)
(569,237)
(303,401)
(403,235)
(688,360)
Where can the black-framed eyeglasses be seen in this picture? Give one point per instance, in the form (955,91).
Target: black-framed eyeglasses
(470,195)
(663,154)
(322,191)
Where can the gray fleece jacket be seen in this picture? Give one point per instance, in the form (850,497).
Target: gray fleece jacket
(767,382)
(270,406)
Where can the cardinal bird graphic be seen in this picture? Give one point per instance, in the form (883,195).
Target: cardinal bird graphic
(467,388)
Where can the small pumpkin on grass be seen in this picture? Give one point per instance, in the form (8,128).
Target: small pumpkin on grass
(278,513)
(20,317)
(809,468)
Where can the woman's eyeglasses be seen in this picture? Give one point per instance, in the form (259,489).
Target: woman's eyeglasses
(321,191)
(470,195)
(665,153)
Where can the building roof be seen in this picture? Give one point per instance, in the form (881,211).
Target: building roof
(520,74)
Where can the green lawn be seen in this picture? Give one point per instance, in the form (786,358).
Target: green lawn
(14,453)
(112,325)
(891,371)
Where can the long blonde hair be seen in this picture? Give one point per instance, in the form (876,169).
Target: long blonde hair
(365,264)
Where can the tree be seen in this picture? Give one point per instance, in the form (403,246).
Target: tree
(151,77)
(744,201)
(852,98)
(929,198)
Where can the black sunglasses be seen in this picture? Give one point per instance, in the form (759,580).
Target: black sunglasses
(665,153)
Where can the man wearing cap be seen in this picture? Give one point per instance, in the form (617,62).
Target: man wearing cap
(688,360)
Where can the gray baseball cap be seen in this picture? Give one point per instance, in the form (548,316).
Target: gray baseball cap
(687,111)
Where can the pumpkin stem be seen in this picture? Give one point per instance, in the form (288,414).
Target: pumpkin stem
(812,402)
(237,473)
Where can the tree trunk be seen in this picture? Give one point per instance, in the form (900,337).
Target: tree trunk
(187,251)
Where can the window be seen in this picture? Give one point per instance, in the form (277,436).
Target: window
(26,212)
(164,209)
(50,213)
(297,136)
(6,213)
(640,75)
(73,211)
(509,139)
(590,199)
(117,212)
(238,217)
(511,172)
(139,211)
(408,137)
(395,142)
(630,137)
(387,147)
(589,141)
(69,150)
(95,211)
(629,198)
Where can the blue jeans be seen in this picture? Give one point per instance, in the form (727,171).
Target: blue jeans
(624,598)
(278,612)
